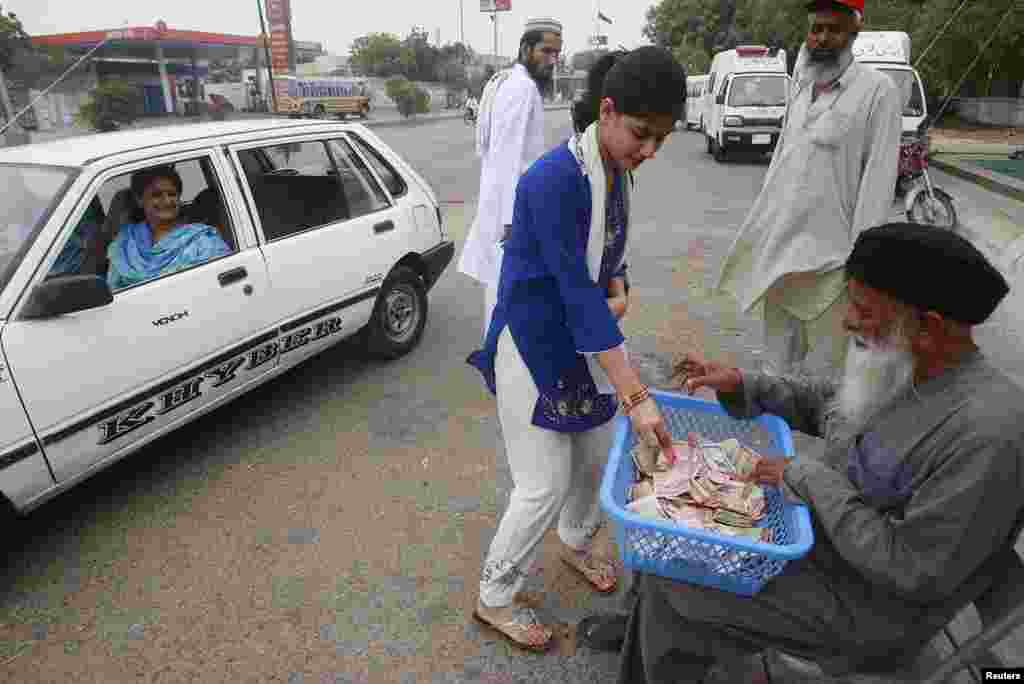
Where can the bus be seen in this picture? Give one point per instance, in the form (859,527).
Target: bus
(696,86)
(324,97)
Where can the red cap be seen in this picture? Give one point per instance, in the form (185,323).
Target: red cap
(836,4)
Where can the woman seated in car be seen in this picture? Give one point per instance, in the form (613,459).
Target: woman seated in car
(162,243)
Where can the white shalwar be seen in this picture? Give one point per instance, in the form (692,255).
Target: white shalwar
(556,476)
(832,176)
(511,138)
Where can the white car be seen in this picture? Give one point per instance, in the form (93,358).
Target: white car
(277,240)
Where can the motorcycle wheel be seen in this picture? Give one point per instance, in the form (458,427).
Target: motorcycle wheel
(937,211)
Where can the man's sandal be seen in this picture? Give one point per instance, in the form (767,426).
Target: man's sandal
(520,628)
(600,574)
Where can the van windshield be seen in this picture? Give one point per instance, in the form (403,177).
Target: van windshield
(758,91)
(910,89)
(30,194)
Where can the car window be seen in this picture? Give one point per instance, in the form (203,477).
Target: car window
(391,179)
(30,194)
(298,191)
(363,193)
(113,235)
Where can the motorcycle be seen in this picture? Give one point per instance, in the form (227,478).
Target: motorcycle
(924,202)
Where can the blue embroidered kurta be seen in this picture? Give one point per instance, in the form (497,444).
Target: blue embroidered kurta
(553,309)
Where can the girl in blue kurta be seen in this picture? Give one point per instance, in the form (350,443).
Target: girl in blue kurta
(553,353)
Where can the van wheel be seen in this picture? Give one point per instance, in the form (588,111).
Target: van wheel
(399,316)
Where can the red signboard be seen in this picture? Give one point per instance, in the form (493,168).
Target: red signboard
(279,18)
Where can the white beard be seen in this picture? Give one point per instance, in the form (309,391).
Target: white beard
(876,375)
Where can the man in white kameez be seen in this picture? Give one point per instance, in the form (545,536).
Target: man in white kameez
(832,176)
(510,137)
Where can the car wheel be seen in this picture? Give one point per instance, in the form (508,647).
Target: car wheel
(399,316)
(718,151)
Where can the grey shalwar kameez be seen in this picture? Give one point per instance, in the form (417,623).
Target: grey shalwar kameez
(910,517)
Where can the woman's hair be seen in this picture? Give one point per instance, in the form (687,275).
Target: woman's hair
(142,179)
(642,82)
(586,110)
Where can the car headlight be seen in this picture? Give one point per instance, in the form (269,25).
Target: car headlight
(733,121)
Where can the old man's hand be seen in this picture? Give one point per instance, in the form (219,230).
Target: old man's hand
(769,471)
(694,372)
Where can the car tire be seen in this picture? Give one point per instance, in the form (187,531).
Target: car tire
(399,316)
(719,152)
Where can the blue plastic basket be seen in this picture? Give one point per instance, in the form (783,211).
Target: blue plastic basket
(699,556)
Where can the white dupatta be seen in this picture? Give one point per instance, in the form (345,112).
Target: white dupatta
(587,151)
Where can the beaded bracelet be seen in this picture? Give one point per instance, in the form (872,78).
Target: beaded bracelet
(631,402)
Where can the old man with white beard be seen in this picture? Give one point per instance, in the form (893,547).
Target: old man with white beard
(916,501)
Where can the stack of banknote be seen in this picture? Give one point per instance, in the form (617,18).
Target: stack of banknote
(706,487)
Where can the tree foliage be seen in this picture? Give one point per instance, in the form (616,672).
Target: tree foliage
(386,55)
(13,38)
(695,29)
(112,102)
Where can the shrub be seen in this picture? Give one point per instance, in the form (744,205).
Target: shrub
(111,103)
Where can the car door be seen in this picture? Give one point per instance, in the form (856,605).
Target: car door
(390,216)
(100,381)
(319,246)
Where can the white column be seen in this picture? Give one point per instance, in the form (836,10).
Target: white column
(165,84)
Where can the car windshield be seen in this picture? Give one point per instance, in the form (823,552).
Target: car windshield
(758,91)
(30,194)
(910,89)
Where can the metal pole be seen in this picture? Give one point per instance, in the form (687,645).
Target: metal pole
(266,49)
(462,27)
(495,16)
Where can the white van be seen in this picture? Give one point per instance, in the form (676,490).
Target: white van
(748,91)
(889,52)
(696,87)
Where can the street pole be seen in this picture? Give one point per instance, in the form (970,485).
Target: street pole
(495,17)
(266,49)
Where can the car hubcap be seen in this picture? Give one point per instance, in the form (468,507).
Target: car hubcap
(401,313)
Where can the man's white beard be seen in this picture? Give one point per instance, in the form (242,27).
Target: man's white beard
(824,72)
(876,375)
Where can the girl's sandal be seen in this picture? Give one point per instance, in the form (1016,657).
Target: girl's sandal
(524,631)
(600,574)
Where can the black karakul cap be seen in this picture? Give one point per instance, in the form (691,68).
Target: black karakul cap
(930,268)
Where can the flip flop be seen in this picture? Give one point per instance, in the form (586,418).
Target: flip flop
(603,632)
(594,567)
(523,619)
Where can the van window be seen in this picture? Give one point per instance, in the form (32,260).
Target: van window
(910,90)
(758,91)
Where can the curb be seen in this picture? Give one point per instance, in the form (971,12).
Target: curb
(996,182)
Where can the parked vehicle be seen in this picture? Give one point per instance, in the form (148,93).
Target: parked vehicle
(924,203)
(328,234)
(469,116)
(748,93)
(889,52)
(323,98)
(696,89)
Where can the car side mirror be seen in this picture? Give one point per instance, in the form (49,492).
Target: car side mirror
(67,294)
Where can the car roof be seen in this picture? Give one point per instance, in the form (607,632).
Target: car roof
(81,150)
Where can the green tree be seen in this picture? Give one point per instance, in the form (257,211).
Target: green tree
(377,54)
(13,39)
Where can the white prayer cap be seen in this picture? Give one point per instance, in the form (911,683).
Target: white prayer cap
(545,24)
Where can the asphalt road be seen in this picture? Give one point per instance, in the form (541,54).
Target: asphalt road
(329,525)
